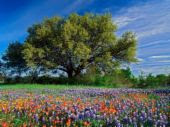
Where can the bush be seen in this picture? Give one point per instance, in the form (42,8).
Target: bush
(118,78)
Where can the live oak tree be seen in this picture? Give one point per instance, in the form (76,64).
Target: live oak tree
(75,43)
(1,65)
(13,59)
(1,70)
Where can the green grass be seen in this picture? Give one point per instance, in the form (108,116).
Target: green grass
(52,86)
(38,86)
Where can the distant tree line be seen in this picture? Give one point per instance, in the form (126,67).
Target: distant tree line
(76,49)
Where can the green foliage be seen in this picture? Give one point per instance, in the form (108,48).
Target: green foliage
(13,58)
(16,122)
(75,43)
(153,97)
(151,81)
(1,72)
(114,79)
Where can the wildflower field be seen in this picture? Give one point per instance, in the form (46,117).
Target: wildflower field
(83,107)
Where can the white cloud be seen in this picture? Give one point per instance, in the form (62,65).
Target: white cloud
(75,6)
(146,20)
(124,21)
(159,57)
(140,59)
(153,70)
(164,61)
(154,43)
(156,70)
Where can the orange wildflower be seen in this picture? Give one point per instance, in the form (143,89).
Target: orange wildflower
(86,124)
(24,125)
(112,110)
(68,123)
(4,124)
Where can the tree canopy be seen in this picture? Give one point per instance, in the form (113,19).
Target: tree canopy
(13,58)
(77,42)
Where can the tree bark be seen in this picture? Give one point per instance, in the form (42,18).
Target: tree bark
(70,74)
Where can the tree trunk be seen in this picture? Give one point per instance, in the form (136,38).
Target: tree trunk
(73,73)
(70,74)
(77,72)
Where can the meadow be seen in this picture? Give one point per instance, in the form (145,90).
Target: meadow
(82,106)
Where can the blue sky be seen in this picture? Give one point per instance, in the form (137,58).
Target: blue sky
(149,19)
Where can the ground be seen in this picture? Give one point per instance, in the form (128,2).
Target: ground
(82,106)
